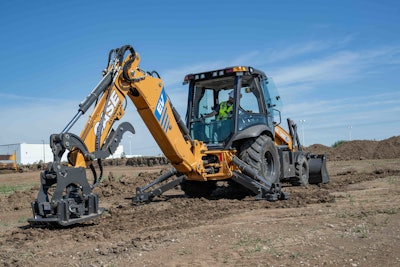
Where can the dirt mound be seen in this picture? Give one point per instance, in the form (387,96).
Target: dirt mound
(357,149)
(320,149)
(360,149)
(388,148)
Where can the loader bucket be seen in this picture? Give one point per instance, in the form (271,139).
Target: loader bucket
(318,172)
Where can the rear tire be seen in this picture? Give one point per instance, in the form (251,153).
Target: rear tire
(261,154)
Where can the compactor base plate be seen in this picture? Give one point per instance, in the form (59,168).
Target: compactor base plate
(56,221)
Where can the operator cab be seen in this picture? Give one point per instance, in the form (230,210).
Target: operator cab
(253,104)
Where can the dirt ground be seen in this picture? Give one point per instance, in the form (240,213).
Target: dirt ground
(352,221)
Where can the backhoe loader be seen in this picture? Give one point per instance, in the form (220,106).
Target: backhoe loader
(246,147)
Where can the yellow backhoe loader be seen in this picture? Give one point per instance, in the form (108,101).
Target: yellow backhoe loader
(240,142)
(9,162)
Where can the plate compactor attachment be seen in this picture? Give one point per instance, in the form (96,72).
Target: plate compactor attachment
(72,201)
(65,196)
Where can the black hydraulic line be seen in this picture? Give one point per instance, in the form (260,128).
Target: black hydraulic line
(121,52)
(112,51)
(128,64)
(125,69)
(96,181)
(120,55)
(181,123)
(154,72)
(94,175)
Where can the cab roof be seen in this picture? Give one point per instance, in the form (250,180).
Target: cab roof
(220,73)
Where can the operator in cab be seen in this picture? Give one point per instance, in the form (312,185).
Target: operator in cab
(223,110)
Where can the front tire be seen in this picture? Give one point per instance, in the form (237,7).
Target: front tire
(302,171)
(261,154)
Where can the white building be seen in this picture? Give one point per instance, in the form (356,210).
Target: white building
(34,153)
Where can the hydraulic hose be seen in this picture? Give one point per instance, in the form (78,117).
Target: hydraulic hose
(181,124)
(112,51)
(121,52)
(128,64)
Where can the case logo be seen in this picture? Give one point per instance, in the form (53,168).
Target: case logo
(111,105)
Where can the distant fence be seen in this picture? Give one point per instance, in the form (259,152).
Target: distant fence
(141,161)
(138,161)
(9,162)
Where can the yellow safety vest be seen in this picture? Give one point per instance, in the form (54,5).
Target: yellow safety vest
(224,110)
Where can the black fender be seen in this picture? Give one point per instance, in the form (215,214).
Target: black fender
(251,132)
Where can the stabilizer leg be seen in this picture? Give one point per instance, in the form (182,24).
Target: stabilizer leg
(143,195)
(253,181)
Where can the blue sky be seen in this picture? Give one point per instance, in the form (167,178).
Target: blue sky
(336,63)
